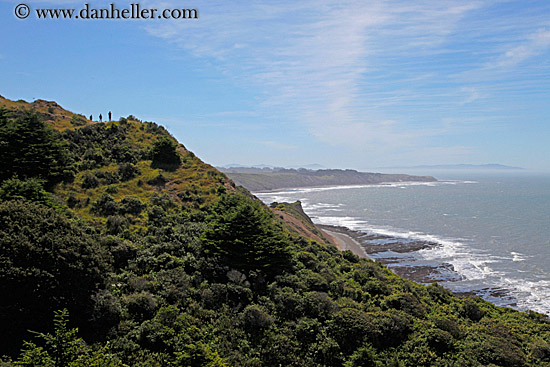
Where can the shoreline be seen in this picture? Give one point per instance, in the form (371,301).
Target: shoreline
(392,252)
(398,255)
(337,186)
(344,242)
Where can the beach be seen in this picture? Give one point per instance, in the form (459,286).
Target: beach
(343,241)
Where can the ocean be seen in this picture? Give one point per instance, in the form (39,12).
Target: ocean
(486,235)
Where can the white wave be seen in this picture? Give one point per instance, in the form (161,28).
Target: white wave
(530,295)
(473,265)
(302,190)
(516,256)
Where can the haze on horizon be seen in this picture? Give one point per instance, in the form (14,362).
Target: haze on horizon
(344,84)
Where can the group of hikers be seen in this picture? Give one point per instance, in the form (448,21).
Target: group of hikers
(101,117)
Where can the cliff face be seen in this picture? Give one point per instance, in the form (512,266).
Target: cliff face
(272,179)
(298,221)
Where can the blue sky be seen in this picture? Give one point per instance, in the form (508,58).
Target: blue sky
(345,84)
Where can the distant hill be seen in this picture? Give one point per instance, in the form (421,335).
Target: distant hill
(477,167)
(256,179)
(261,166)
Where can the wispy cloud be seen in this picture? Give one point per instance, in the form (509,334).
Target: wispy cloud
(535,44)
(342,67)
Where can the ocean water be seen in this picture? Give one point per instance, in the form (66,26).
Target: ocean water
(494,231)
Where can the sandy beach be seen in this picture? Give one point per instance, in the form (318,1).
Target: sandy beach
(344,242)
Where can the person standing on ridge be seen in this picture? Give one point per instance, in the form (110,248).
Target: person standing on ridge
(110,116)
(91,119)
(100,118)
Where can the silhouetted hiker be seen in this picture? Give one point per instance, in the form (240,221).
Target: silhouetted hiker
(91,118)
(100,118)
(109,115)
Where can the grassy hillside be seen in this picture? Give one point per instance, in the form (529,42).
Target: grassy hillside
(121,248)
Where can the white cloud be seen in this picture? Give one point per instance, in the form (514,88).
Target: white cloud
(345,68)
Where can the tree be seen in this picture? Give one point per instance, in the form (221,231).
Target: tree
(64,348)
(243,234)
(29,148)
(31,189)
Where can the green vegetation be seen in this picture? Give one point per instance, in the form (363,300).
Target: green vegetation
(164,155)
(141,265)
(30,148)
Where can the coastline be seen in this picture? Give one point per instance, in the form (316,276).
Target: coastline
(342,186)
(393,252)
(398,255)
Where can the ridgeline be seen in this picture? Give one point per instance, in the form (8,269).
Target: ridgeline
(119,247)
(265,179)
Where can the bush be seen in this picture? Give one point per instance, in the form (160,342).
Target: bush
(105,206)
(471,310)
(404,302)
(89,181)
(439,340)
(365,356)
(64,348)
(107,177)
(349,327)
(31,189)
(141,306)
(499,351)
(255,319)
(116,224)
(130,205)
(78,120)
(541,351)
(127,171)
(165,155)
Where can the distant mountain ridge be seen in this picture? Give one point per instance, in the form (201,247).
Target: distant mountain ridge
(312,166)
(263,179)
(490,166)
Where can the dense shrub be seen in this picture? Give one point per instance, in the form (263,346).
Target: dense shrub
(31,189)
(165,155)
(202,276)
(47,262)
(127,171)
(89,181)
(130,205)
(105,205)
(471,310)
